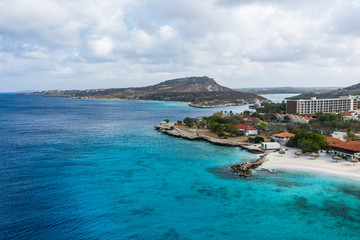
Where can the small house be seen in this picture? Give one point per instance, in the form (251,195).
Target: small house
(247,130)
(283,137)
(349,150)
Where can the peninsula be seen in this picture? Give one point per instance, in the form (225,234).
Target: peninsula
(198,91)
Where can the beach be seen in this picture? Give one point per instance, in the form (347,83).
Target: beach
(305,163)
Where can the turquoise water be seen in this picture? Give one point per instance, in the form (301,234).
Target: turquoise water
(96,169)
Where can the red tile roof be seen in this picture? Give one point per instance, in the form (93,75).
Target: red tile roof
(251,119)
(331,140)
(245,127)
(351,146)
(346,114)
(284,134)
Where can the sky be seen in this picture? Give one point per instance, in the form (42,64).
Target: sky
(83,44)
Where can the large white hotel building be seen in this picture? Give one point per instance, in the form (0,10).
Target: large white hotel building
(313,105)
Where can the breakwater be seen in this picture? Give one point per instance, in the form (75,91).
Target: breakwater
(244,169)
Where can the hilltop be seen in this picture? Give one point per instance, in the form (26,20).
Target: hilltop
(352,90)
(199,91)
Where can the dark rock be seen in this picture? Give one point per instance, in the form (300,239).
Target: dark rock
(244,169)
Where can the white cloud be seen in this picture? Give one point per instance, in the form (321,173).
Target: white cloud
(101,45)
(108,43)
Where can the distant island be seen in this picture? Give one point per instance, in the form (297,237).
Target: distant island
(199,91)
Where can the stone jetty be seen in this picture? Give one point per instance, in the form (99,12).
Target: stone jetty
(244,169)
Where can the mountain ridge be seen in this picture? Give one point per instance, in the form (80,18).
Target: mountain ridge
(200,91)
(351,90)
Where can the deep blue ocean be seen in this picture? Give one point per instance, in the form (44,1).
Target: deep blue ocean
(97,169)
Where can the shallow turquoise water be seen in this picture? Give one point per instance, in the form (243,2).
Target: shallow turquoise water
(96,169)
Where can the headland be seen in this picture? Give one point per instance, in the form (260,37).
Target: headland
(206,135)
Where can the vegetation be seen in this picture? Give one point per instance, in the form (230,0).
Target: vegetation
(286,118)
(256,139)
(189,121)
(326,124)
(272,108)
(308,142)
(222,126)
(351,136)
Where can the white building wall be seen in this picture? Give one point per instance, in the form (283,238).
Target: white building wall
(253,132)
(270,145)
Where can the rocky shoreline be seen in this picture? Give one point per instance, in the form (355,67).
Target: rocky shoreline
(172,130)
(244,169)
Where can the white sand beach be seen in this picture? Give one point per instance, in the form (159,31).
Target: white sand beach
(323,165)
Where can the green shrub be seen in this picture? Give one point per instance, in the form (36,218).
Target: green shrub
(258,139)
(308,142)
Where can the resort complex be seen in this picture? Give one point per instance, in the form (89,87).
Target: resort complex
(308,128)
(314,105)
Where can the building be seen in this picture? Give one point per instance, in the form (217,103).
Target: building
(314,105)
(283,137)
(350,115)
(247,130)
(293,118)
(331,140)
(252,120)
(270,146)
(349,150)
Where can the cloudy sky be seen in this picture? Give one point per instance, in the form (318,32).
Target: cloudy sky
(66,44)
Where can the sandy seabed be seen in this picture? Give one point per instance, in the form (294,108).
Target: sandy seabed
(323,165)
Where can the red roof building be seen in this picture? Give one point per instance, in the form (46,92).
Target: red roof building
(331,140)
(246,129)
(346,114)
(350,150)
(283,137)
(252,119)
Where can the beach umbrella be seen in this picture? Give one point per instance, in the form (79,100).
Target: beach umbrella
(315,155)
(354,160)
(336,158)
(299,153)
(281,152)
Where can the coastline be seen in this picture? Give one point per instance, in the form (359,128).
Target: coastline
(176,132)
(194,105)
(323,165)
(272,160)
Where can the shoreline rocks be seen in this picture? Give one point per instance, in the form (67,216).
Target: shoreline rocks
(244,169)
(170,129)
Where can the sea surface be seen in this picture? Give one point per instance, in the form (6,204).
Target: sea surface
(278,98)
(97,169)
